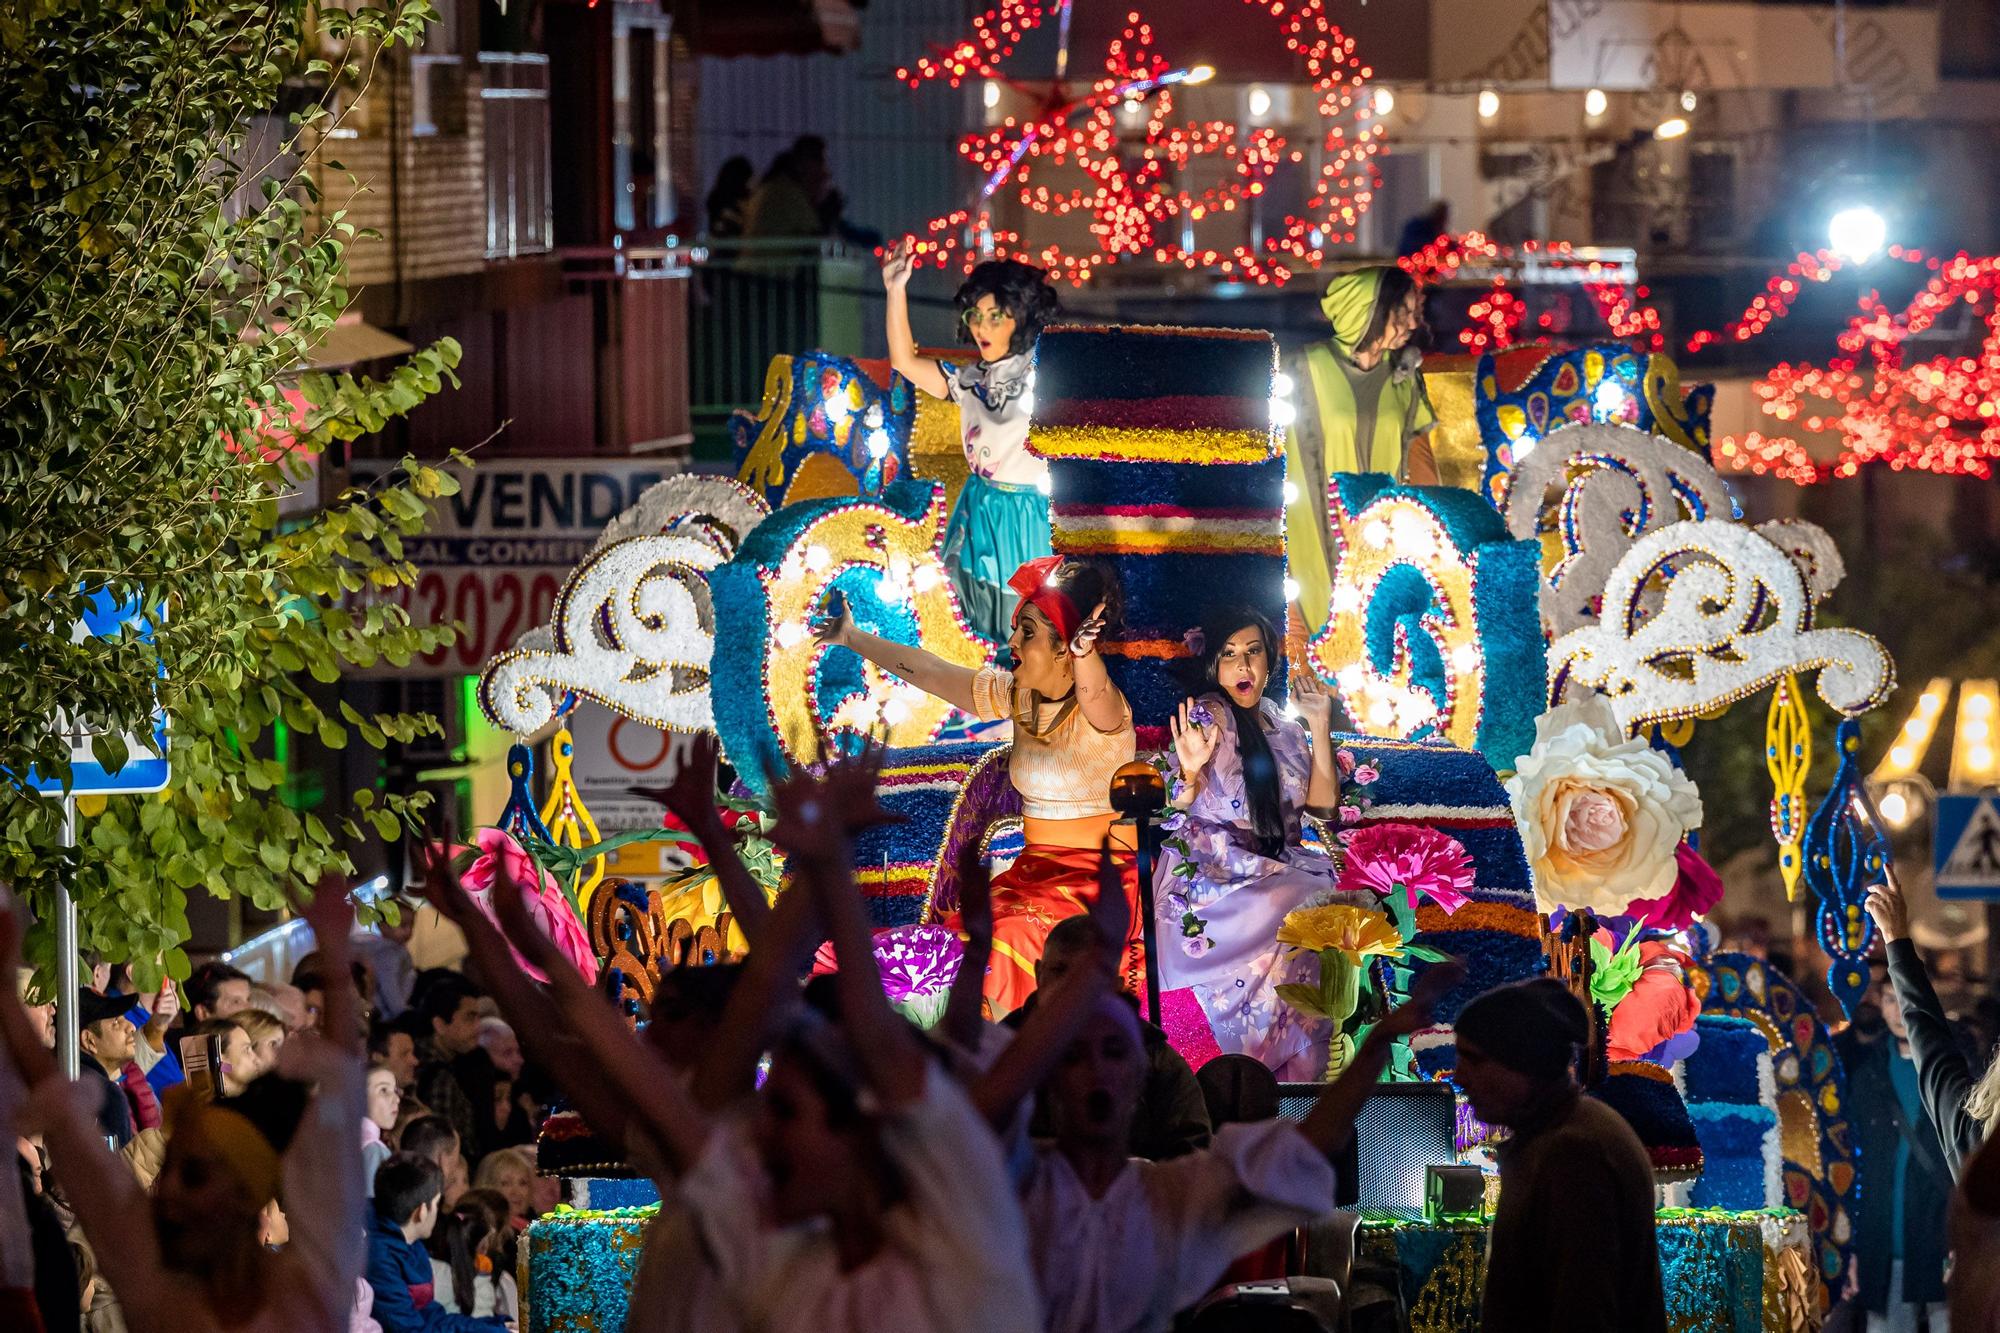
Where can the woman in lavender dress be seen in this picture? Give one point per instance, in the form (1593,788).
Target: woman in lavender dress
(1243,773)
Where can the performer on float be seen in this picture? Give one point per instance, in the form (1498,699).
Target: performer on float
(1361,408)
(1001,520)
(1243,775)
(1072,730)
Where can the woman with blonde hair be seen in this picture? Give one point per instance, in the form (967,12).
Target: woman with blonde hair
(510,1173)
(267,1034)
(1965,1107)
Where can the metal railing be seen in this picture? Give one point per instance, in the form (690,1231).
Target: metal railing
(514,106)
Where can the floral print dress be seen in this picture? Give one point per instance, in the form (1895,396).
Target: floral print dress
(1219,902)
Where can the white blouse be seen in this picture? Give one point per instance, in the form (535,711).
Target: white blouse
(993,403)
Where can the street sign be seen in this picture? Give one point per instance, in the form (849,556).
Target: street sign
(1967,850)
(145,766)
(613,753)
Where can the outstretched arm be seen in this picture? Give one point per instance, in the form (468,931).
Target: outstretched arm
(962,1013)
(1060,1010)
(691,798)
(763,1000)
(1331,1120)
(927,671)
(1944,1075)
(921,371)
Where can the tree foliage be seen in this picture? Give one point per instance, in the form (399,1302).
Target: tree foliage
(163,276)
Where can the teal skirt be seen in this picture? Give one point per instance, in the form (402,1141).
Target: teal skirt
(995,528)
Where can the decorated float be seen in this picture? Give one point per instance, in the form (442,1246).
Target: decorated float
(1521,654)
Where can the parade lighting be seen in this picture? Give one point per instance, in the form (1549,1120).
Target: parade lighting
(1200,74)
(1489,104)
(1258,101)
(1973,758)
(1857,233)
(1383,101)
(1595,103)
(1671,129)
(1689,101)
(1913,740)
(991,93)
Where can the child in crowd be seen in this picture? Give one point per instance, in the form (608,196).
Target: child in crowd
(399,1269)
(381,1101)
(432,1136)
(470,1264)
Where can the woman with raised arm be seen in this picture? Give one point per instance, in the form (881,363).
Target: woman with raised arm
(1001,519)
(1243,776)
(1072,732)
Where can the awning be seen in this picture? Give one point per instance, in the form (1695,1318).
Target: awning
(768,27)
(353,340)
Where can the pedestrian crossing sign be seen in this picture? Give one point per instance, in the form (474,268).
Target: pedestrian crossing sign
(1967,849)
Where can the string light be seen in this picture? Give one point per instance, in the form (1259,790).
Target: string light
(1973,765)
(1913,740)
(1070,157)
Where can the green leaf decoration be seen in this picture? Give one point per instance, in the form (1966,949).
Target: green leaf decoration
(1612,976)
(1305,999)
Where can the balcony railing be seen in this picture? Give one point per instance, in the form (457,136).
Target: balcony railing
(514,103)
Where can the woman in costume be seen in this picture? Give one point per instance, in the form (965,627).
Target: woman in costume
(1243,775)
(1362,409)
(1072,731)
(1001,520)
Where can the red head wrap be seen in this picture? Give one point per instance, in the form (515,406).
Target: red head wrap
(1035,582)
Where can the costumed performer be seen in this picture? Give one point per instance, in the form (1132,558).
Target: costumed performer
(1362,409)
(1243,775)
(1001,519)
(1072,730)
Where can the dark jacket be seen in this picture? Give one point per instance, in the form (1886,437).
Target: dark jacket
(460,1089)
(1880,1127)
(1944,1075)
(1172,1119)
(399,1273)
(114,1114)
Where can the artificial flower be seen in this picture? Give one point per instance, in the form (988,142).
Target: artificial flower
(1613,972)
(1364,774)
(1659,1009)
(918,965)
(1600,814)
(1697,889)
(1194,946)
(548,906)
(1344,759)
(1354,931)
(1407,858)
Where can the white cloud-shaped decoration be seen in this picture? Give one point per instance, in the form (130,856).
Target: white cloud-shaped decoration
(721,510)
(1734,616)
(1618,484)
(633,630)
(1809,547)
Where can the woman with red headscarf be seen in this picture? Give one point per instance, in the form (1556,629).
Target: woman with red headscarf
(1072,732)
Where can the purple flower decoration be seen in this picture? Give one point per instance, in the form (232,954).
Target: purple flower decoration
(1197,945)
(918,965)
(1196,641)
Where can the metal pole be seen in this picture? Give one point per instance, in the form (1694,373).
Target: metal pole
(66,1030)
(1148,934)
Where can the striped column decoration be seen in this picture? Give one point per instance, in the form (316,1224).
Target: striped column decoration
(1163,463)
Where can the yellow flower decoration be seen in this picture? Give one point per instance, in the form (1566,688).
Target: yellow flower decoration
(1354,931)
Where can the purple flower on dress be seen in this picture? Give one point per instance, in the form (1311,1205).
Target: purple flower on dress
(918,961)
(1177,903)
(1366,773)
(1197,945)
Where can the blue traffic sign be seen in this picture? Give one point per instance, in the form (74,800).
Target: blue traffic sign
(1967,850)
(146,767)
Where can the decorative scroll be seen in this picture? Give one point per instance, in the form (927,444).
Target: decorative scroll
(568,821)
(1617,484)
(1808,546)
(640,933)
(780,695)
(1788,756)
(1427,590)
(633,631)
(1843,856)
(1734,617)
(719,510)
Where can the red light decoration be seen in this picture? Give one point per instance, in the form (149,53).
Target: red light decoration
(1126,187)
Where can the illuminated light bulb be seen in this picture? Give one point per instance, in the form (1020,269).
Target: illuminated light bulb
(1976,729)
(790,634)
(1671,129)
(1594,103)
(1979,758)
(927,577)
(1351,678)
(1902,756)
(1895,809)
(1382,713)
(895,711)
(1028,404)
(1346,599)
(1489,104)
(991,94)
(1291,589)
(1857,234)
(1043,484)
(837,407)
(1291,493)
(1258,101)
(1376,533)
(1282,385)
(1282,412)
(818,559)
(1524,444)
(1200,74)
(1383,101)
(1609,398)
(1978,706)
(878,443)
(1688,100)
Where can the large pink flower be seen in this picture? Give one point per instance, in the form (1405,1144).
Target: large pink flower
(1697,889)
(547,906)
(1384,858)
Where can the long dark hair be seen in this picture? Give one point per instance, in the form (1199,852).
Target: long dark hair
(455,1243)
(1395,288)
(1260,767)
(1022,290)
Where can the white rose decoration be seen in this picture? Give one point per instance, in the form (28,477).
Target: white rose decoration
(1600,814)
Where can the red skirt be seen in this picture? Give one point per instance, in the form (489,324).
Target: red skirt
(1048,884)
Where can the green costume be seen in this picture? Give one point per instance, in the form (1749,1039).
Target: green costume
(1349,420)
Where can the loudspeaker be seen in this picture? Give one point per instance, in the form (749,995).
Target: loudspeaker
(1401,1129)
(1453,1191)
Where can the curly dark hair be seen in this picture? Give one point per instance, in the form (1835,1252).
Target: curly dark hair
(1260,767)
(1088,582)
(1022,290)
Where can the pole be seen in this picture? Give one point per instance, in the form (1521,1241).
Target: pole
(66,1028)
(1147,927)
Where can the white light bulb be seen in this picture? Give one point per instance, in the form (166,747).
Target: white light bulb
(1857,233)
(1281,385)
(1595,102)
(1524,445)
(895,711)
(1689,101)
(1978,705)
(1259,102)
(1291,589)
(837,407)
(991,94)
(878,443)
(818,559)
(1383,100)
(1466,658)
(1043,484)
(1200,74)
(1489,104)
(1670,129)
(1609,399)
(1979,758)
(1382,713)
(1282,412)
(1902,756)
(1291,492)
(1895,809)
(1977,729)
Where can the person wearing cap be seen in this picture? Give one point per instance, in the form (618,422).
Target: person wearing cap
(1072,732)
(106,1039)
(1572,1248)
(1362,408)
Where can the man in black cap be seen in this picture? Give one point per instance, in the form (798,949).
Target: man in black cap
(106,1039)
(1573,1249)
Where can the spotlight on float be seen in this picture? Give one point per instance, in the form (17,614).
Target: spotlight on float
(1595,103)
(1671,129)
(1857,233)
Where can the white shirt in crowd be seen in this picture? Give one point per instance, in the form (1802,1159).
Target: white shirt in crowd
(492,1293)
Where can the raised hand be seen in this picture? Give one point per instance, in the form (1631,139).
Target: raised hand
(818,815)
(690,797)
(1111,909)
(1315,701)
(1084,642)
(1414,1014)
(1194,741)
(897,264)
(834,626)
(1892,914)
(330,912)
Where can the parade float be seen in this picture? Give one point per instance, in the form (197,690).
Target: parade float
(1521,657)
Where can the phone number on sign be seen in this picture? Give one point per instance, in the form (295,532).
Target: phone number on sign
(492,608)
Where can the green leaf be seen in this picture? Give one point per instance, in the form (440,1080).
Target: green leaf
(1305,999)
